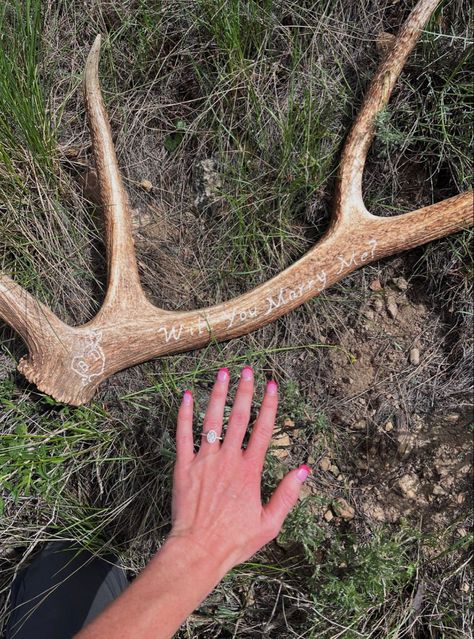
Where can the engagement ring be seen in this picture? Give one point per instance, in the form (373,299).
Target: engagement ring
(211,436)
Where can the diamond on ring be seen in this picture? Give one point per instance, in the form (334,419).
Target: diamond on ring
(211,436)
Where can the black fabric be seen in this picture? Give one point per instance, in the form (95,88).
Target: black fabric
(61,591)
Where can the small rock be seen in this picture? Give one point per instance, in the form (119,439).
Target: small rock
(414,356)
(339,477)
(369,314)
(452,418)
(343,509)
(208,183)
(375,285)
(447,483)
(461,498)
(281,444)
(146,185)
(376,512)
(409,484)
(392,308)
(378,305)
(465,586)
(325,463)
(400,283)
(438,490)
(305,491)
(406,443)
(328,516)
(334,470)
(360,424)
(388,427)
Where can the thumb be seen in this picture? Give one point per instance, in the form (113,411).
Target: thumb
(285,496)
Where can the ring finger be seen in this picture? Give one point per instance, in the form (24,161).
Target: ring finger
(212,425)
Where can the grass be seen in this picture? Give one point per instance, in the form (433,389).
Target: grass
(38,231)
(266,92)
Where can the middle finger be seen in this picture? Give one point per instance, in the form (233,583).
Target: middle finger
(215,412)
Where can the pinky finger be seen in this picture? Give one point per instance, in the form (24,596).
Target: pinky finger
(184,430)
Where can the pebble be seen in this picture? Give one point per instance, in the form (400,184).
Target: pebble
(343,509)
(378,305)
(388,427)
(409,484)
(415,356)
(392,308)
(325,464)
(400,283)
(305,491)
(146,185)
(282,444)
(376,512)
(360,424)
(452,418)
(406,443)
(375,285)
(369,314)
(328,516)
(334,470)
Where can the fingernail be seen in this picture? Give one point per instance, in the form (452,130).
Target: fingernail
(247,373)
(187,398)
(223,374)
(303,472)
(272,387)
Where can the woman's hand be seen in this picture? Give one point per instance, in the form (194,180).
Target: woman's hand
(216,492)
(218,517)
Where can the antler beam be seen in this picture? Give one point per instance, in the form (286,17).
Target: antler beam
(70,362)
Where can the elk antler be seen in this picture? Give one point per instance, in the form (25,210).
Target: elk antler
(70,362)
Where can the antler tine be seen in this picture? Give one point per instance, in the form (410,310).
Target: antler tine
(35,322)
(348,196)
(124,290)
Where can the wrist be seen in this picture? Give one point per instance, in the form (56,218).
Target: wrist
(191,557)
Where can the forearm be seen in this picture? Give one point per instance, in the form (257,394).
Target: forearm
(154,606)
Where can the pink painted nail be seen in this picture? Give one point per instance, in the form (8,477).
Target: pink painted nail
(187,398)
(223,374)
(247,373)
(303,472)
(272,387)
